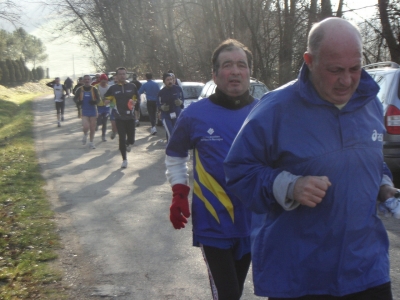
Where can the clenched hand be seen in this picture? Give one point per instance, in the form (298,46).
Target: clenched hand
(310,190)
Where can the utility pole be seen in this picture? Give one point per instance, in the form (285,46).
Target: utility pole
(73,65)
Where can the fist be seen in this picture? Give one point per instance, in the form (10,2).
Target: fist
(165,107)
(310,190)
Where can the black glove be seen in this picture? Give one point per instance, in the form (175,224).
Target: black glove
(93,102)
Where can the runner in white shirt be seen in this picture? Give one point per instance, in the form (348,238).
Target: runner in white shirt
(59,98)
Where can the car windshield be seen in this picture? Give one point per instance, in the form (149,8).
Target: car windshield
(384,81)
(258,90)
(191,92)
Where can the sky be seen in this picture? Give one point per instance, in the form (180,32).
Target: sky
(66,57)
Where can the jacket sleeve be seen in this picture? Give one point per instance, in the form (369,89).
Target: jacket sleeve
(177,152)
(159,99)
(177,170)
(74,89)
(387,172)
(248,168)
(97,94)
(76,94)
(141,90)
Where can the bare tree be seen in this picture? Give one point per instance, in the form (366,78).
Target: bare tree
(387,31)
(157,35)
(9,11)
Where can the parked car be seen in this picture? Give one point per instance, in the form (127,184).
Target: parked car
(387,75)
(257,89)
(143,101)
(191,92)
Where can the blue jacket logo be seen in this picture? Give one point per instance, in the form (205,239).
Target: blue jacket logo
(377,136)
(210,131)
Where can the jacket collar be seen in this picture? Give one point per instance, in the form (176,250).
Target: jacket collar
(366,91)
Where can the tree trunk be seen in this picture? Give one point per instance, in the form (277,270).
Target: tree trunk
(326,9)
(105,56)
(339,12)
(387,31)
(286,49)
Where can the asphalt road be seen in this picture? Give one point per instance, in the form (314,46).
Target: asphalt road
(116,235)
(114,223)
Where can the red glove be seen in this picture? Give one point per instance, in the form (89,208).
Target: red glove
(179,209)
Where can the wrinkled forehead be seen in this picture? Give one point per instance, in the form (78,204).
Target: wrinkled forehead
(232,55)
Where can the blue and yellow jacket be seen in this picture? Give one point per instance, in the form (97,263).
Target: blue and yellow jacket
(209,129)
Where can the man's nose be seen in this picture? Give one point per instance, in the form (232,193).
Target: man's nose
(345,78)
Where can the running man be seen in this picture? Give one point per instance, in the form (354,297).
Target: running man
(124,96)
(221,223)
(170,102)
(59,98)
(151,89)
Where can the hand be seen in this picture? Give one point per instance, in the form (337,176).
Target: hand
(310,190)
(385,192)
(178,102)
(130,104)
(179,209)
(106,102)
(93,102)
(165,107)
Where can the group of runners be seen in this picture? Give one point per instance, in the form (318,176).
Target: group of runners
(289,182)
(99,99)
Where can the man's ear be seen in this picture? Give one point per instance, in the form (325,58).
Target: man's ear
(308,59)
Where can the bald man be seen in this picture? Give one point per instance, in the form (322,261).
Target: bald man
(308,162)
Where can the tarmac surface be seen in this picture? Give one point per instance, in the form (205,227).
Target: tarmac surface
(114,223)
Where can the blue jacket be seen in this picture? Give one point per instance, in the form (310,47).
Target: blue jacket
(210,129)
(151,89)
(340,246)
(168,96)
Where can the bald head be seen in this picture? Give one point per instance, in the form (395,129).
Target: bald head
(334,59)
(332,31)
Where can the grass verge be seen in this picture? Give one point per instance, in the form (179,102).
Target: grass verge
(28,238)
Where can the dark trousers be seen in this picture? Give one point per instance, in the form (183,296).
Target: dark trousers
(152,110)
(60,107)
(380,292)
(126,133)
(102,120)
(227,275)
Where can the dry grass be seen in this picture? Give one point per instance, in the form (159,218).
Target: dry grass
(28,238)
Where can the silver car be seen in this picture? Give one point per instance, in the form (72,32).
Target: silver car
(387,75)
(191,92)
